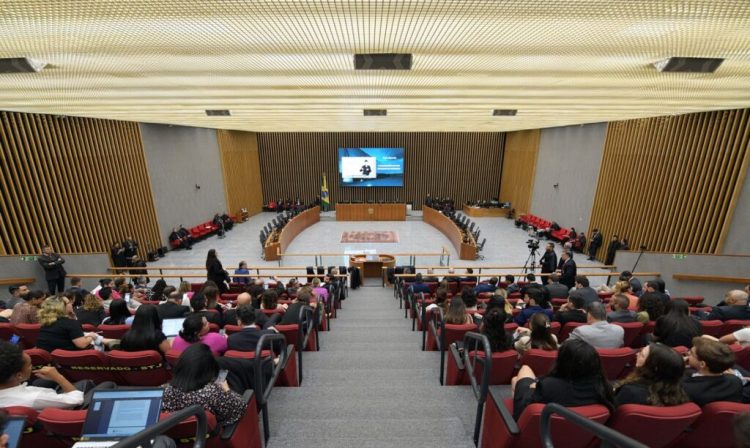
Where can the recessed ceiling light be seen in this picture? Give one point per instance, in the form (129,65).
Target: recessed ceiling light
(21,65)
(504,112)
(382,61)
(375,112)
(688,65)
(218,112)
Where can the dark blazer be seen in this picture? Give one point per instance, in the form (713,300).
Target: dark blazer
(52,265)
(484,287)
(171,310)
(632,393)
(550,389)
(570,316)
(548,261)
(588,294)
(622,316)
(568,273)
(247,339)
(291,316)
(741,312)
(230,318)
(667,334)
(556,290)
(420,287)
(707,389)
(216,273)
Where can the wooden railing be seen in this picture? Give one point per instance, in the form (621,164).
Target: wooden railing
(712,278)
(444,255)
(466,251)
(292,228)
(17,281)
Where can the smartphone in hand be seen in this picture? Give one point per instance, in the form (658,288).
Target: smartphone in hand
(222,376)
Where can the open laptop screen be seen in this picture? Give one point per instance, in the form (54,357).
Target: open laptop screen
(121,413)
(171,327)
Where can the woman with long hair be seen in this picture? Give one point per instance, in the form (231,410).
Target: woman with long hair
(677,327)
(157,292)
(539,335)
(493,326)
(145,332)
(194,382)
(456,314)
(92,311)
(195,328)
(576,379)
(215,271)
(58,329)
(650,307)
(657,379)
(623,287)
(119,313)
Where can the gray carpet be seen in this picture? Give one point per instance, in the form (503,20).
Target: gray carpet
(371,386)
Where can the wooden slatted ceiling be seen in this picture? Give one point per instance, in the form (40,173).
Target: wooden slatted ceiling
(77,183)
(461,166)
(519,168)
(672,183)
(241,166)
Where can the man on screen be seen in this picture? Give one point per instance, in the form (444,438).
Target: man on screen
(366,169)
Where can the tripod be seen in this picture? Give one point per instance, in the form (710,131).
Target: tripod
(530,264)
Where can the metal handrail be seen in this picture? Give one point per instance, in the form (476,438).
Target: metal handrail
(471,341)
(266,341)
(143,438)
(303,334)
(609,436)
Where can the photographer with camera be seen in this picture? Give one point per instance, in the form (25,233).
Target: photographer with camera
(548,262)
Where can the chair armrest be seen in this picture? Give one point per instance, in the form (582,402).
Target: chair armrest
(457,356)
(228,431)
(499,402)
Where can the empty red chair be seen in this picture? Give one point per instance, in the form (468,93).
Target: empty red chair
(567,329)
(713,427)
(196,287)
(632,331)
(615,360)
(229,297)
(113,331)
(654,426)
(143,368)
(6,331)
(76,365)
(540,361)
(714,328)
(732,325)
(28,333)
(503,367)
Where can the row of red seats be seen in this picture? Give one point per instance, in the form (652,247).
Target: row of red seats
(561,234)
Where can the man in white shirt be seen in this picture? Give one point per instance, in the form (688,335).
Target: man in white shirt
(15,370)
(742,336)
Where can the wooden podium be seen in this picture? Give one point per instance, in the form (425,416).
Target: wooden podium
(370,212)
(372,266)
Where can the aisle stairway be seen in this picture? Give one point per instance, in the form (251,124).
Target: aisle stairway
(371,386)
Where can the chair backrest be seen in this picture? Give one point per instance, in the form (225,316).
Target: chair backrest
(229,329)
(615,360)
(732,325)
(6,331)
(172,356)
(196,287)
(632,331)
(455,333)
(39,357)
(567,329)
(714,328)
(28,333)
(705,431)
(63,423)
(540,361)
(564,433)
(184,432)
(503,366)
(142,368)
(654,426)
(77,365)
(113,331)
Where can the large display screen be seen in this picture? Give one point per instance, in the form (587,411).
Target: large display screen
(371,167)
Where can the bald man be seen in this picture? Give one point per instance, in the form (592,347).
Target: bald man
(230,316)
(735,307)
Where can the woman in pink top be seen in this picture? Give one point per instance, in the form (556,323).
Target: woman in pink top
(195,329)
(319,290)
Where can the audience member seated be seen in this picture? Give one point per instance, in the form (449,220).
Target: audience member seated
(92,311)
(76,287)
(539,335)
(198,303)
(105,295)
(457,314)
(656,287)
(583,290)
(195,328)
(493,326)
(319,291)
(27,311)
(624,288)
(137,298)
(710,360)
(292,287)
(17,294)
(451,277)
(469,277)
(119,313)
(555,289)
(534,302)
(531,279)
(157,292)
(599,333)
(291,316)
(186,292)
(15,371)
(620,312)
(145,333)
(418,285)
(58,329)
(656,381)
(441,300)
(577,379)
(173,308)
(486,287)
(270,301)
(741,336)
(241,270)
(735,307)
(246,340)
(194,382)
(470,300)
(677,327)
(650,307)
(430,278)
(635,284)
(573,311)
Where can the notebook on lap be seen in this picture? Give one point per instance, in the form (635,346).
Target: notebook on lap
(116,414)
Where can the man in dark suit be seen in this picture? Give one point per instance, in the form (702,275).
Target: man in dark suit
(556,289)
(131,248)
(230,316)
(198,303)
(612,249)
(548,262)
(418,286)
(486,287)
(247,339)
(620,311)
(585,291)
(573,311)
(567,270)
(54,273)
(595,244)
(735,307)
(173,308)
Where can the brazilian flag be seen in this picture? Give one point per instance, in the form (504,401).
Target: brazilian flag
(325,203)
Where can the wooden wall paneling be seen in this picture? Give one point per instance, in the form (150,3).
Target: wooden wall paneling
(20,175)
(673,164)
(742,140)
(729,178)
(519,169)
(76,138)
(7,195)
(241,166)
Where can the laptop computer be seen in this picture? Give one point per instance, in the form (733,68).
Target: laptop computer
(171,327)
(116,414)
(14,429)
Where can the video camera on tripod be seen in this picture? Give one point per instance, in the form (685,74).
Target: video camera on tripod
(532,244)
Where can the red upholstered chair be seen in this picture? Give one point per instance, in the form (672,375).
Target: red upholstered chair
(143,368)
(632,331)
(654,426)
(229,297)
(540,361)
(681,350)
(730,326)
(557,302)
(64,425)
(742,355)
(172,357)
(76,365)
(714,328)
(500,430)
(272,312)
(6,331)
(229,329)
(646,330)
(34,435)
(503,367)
(39,357)
(196,287)
(615,360)
(453,287)
(113,331)
(291,332)
(28,333)
(213,328)
(713,427)
(567,329)
(555,327)
(691,300)
(88,327)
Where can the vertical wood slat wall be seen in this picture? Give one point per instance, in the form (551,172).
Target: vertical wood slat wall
(519,168)
(462,166)
(241,166)
(672,183)
(78,183)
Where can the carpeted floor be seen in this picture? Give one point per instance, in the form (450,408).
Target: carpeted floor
(383,236)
